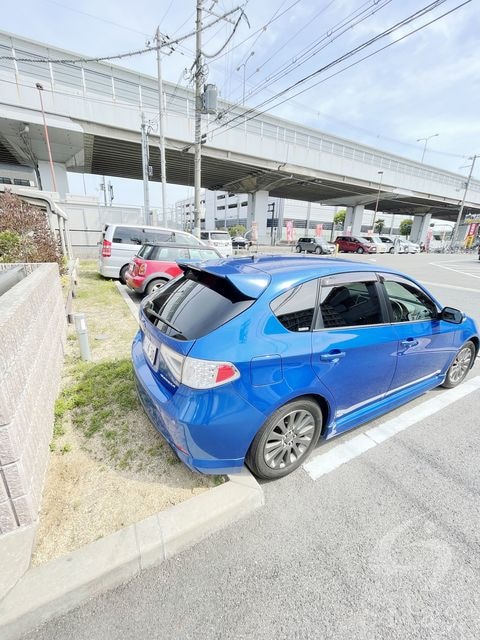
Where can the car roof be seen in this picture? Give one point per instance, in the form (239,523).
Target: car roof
(180,245)
(252,274)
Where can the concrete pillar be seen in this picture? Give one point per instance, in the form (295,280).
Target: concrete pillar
(420,228)
(60,177)
(353,220)
(258,212)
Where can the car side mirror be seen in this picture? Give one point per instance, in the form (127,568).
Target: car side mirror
(449,314)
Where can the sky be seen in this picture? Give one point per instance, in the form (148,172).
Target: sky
(428,83)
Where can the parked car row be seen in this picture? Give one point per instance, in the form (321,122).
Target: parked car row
(155,264)
(253,360)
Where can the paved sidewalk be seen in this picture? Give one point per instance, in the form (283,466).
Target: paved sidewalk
(54,588)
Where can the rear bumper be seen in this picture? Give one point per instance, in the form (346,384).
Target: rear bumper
(136,284)
(108,272)
(210,430)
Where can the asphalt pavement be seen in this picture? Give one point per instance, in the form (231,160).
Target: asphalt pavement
(386,545)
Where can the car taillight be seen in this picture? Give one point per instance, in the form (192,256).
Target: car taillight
(198,374)
(142,269)
(106,249)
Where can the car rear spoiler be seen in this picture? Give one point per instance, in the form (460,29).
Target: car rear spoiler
(251,282)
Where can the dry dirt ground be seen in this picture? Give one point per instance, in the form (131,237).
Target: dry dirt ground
(108,466)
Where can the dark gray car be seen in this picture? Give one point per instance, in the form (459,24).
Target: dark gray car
(314,245)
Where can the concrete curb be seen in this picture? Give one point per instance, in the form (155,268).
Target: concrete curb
(127,299)
(56,587)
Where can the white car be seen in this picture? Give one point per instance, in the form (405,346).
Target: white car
(381,246)
(393,245)
(410,247)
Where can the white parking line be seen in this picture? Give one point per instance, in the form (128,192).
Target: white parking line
(465,273)
(346,451)
(450,286)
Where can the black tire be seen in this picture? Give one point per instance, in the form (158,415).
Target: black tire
(298,248)
(297,418)
(154,284)
(360,250)
(122,273)
(461,365)
(391,250)
(318,250)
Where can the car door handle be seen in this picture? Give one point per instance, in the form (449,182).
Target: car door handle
(333,356)
(410,342)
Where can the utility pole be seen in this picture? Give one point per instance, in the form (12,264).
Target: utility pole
(146,196)
(161,138)
(426,141)
(103,187)
(307,222)
(460,212)
(199,108)
(197,179)
(47,139)
(380,173)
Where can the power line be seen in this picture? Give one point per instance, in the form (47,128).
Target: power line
(345,56)
(127,54)
(264,28)
(346,24)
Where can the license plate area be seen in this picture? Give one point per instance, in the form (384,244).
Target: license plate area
(150,350)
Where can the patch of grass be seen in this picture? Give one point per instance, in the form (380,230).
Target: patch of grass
(126,460)
(101,392)
(66,448)
(155,451)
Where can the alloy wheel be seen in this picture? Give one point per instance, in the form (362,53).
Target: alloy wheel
(289,439)
(461,365)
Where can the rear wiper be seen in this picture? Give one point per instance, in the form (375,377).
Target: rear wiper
(153,313)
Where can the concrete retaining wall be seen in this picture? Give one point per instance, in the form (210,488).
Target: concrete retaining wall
(32,342)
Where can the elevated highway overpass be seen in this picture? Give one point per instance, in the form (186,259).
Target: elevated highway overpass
(93,112)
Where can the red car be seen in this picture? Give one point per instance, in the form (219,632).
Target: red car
(156,264)
(353,244)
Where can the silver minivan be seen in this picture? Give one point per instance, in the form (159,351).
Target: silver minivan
(120,242)
(221,240)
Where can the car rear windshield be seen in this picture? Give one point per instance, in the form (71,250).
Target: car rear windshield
(196,304)
(220,236)
(140,235)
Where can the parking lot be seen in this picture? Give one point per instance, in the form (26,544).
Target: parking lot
(371,538)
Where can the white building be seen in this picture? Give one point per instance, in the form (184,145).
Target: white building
(221,210)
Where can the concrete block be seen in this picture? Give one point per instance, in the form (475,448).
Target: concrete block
(15,552)
(16,479)
(3,490)
(188,522)
(24,511)
(9,444)
(7,518)
(150,541)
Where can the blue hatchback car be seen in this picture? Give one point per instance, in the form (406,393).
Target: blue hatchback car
(252,360)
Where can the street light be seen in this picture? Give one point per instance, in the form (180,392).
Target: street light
(426,140)
(244,65)
(47,139)
(380,173)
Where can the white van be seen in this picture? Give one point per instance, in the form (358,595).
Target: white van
(221,240)
(120,242)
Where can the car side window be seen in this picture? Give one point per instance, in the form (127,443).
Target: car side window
(127,235)
(350,304)
(408,303)
(158,236)
(295,308)
(185,239)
